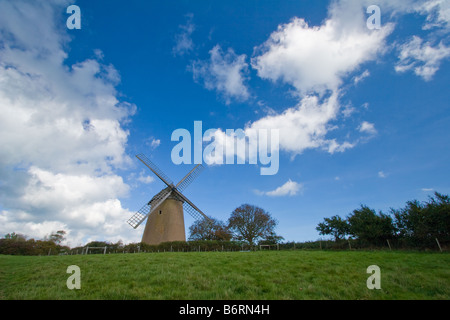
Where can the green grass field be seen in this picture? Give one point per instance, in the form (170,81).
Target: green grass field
(266,275)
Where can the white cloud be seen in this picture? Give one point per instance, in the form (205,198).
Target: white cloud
(361,77)
(437,11)
(423,58)
(290,188)
(382,174)
(184,43)
(317,58)
(422,55)
(305,126)
(145,178)
(300,128)
(367,127)
(155,143)
(61,131)
(224,72)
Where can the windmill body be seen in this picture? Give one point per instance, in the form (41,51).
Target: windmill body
(166,222)
(165,211)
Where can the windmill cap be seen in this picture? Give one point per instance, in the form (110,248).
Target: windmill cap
(162,193)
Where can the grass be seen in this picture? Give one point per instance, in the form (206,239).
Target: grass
(269,275)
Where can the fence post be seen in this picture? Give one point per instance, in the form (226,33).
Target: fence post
(437,241)
(389,244)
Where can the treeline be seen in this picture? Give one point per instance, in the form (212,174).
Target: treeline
(17,244)
(175,246)
(416,225)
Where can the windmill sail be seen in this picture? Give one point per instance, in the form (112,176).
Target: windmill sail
(155,169)
(186,181)
(191,208)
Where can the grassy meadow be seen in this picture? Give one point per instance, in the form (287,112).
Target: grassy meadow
(265,275)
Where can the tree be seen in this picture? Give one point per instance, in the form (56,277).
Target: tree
(421,223)
(367,225)
(335,226)
(251,223)
(57,237)
(272,239)
(438,214)
(15,236)
(209,230)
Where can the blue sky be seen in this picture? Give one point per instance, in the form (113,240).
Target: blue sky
(363,114)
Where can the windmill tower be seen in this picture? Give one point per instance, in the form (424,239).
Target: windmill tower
(165,211)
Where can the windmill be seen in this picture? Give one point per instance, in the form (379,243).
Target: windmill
(165,211)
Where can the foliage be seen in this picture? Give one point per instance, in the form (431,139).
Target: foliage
(417,225)
(370,227)
(30,247)
(335,226)
(272,239)
(15,236)
(209,230)
(189,246)
(57,237)
(251,223)
(421,223)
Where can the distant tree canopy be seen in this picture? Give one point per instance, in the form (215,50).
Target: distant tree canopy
(416,224)
(247,223)
(251,223)
(15,236)
(423,222)
(335,226)
(366,225)
(209,230)
(57,237)
(17,244)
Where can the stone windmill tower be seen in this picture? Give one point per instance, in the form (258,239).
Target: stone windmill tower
(165,211)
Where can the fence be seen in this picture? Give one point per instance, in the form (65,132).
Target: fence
(434,244)
(95,248)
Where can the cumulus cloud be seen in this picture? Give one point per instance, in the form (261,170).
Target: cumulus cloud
(62,130)
(318,58)
(423,54)
(367,127)
(290,188)
(146,179)
(225,72)
(305,126)
(315,61)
